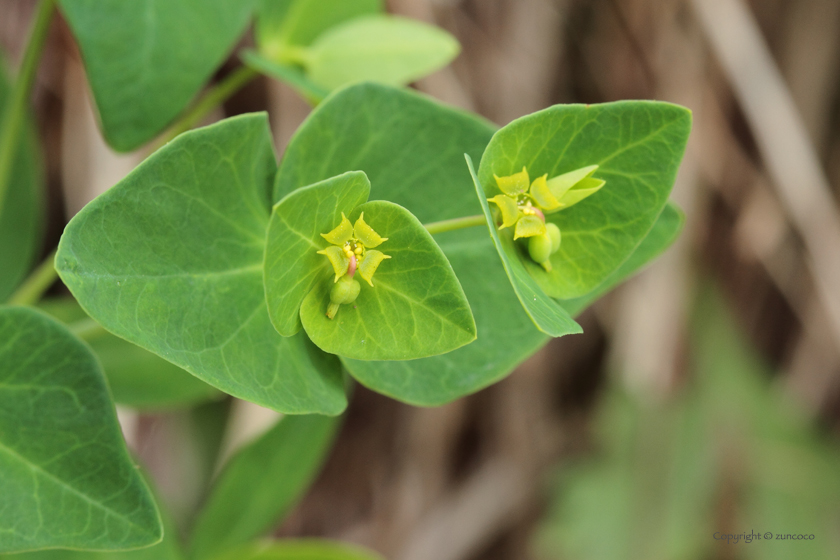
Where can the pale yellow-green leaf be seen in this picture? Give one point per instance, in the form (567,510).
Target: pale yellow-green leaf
(379,48)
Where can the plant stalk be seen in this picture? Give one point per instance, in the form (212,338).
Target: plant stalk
(215,96)
(37,283)
(456,223)
(14,114)
(87,329)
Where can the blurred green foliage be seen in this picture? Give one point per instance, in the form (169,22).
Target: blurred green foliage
(729,455)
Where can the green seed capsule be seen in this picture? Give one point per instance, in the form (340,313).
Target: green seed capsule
(345,291)
(539,247)
(554,232)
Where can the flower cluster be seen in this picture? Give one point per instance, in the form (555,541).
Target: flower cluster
(524,205)
(351,249)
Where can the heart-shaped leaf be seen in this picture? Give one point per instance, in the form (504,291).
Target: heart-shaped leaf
(381,48)
(262,483)
(284,23)
(414,307)
(412,149)
(20,222)
(637,145)
(664,232)
(546,313)
(66,479)
(146,59)
(171,260)
(137,378)
(292,265)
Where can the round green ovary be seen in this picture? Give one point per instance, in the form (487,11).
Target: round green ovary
(345,291)
(540,247)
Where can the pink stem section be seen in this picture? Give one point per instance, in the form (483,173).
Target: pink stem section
(351,270)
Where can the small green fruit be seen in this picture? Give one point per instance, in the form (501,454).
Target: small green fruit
(554,232)
(345,291)
(539,247)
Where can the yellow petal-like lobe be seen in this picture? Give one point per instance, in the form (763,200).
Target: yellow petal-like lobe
(581,190)
(529,226)
(370,263)
(515,184)
(366,235)
(510,211)
(338,260)
(542,195)
(562,183)
(341,234)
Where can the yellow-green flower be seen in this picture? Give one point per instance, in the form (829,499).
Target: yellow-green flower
(524,204)
(352,249)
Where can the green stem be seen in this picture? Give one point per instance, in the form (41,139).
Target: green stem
(456,223)
(38,282)
(217,95)
(14,114)
(87,329)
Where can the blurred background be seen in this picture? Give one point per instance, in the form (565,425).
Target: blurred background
(702,400)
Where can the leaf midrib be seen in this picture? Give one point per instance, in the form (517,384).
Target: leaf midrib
(229,272)
(406,297)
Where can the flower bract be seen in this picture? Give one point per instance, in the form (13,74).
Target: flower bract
(352,249)
(523,203)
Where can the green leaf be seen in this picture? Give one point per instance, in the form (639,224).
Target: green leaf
(410,147)
(147,59)
(20,222)
(416,307)
(281,23)
(291,75)
(638,146)
(302,549)
(380,48)
(665,231)
(546,313)
(412,150)
(506,335)
(65,475)
(137,378)
(167,549)
(171,260)
(262,483)
(292,265)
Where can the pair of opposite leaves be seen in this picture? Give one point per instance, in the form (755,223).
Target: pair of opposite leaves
(172,258)
(414,308)
(417,307)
